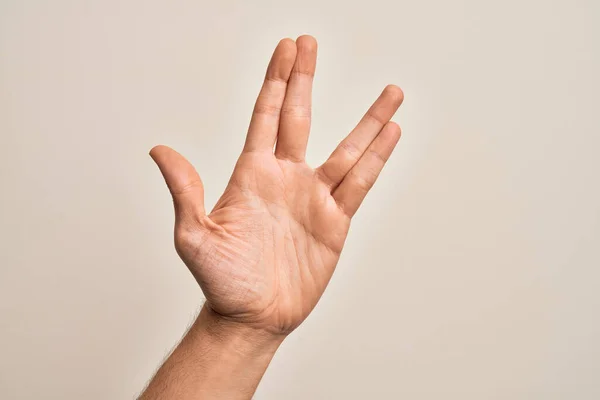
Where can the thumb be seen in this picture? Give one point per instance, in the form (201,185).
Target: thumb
(183,181)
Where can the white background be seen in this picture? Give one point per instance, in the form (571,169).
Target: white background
(471,272)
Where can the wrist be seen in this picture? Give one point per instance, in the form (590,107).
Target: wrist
(217,359)
(245,339)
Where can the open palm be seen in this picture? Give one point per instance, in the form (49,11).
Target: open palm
(266,252)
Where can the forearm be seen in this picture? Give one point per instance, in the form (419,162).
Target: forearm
(216,359)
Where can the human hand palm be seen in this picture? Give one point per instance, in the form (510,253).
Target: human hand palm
(266,252)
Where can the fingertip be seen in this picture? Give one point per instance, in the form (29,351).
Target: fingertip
(306,58)
(287,51)
(158,151)
(394,128)
(386,140)
(282,60)
(154,151)
(287,42)
(390,134)
(307,42)
(395,93)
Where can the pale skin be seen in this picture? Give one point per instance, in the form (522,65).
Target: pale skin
(265,253)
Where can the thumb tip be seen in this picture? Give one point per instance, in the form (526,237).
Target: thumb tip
(156,150)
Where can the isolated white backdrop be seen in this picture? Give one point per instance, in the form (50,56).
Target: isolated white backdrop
(471,271)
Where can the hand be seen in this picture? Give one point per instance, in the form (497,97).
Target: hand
(265,253)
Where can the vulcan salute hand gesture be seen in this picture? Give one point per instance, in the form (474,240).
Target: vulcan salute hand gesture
(265,253)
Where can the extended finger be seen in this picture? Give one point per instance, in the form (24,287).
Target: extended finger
(354,187)
(294,125)
(349,151)
(264,123)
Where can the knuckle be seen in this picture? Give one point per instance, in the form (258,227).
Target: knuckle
(296,111)
(378,156)
(363,182)
(266,109)
(372,115)
(191,185)
(350,150)
(301,71)
(329,173)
